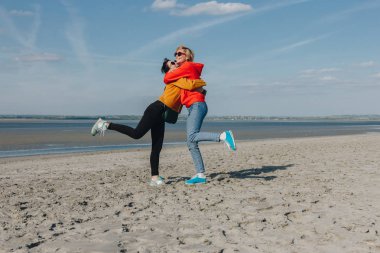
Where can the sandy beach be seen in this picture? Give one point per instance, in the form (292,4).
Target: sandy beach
(317,194)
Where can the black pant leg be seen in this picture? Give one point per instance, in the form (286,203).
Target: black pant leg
(145,124)
(151,120)
(157,133)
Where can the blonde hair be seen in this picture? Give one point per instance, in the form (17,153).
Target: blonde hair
(189,53)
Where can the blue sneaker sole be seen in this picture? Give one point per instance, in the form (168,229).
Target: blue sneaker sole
(186,183)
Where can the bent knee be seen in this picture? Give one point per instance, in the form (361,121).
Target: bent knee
(191,138)
(192,145)
(137,135)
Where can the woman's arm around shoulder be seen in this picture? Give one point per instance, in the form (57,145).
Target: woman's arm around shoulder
(187,70)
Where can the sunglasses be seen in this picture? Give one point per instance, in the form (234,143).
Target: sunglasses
(179,54)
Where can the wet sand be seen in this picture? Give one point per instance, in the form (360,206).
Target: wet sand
(72,137)
(316,194)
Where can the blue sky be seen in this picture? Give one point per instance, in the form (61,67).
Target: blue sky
(262,57)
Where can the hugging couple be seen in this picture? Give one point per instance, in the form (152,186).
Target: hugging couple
(183,86)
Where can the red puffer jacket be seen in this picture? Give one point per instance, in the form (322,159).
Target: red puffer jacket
(191,70)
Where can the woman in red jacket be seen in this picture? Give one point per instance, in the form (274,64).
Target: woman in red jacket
(197,108)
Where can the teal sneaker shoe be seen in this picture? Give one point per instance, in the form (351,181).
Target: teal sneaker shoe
(196,180)
(99,127)
(230,141)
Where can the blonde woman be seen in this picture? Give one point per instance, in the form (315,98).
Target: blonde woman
(195,102)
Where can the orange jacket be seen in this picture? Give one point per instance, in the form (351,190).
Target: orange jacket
(171,96)
(190,70)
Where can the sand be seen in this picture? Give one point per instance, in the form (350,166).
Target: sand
(317,194)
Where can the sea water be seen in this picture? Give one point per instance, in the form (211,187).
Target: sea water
(43,137)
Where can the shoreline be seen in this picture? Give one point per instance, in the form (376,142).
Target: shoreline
(29,118)
(20,139)
(129,147)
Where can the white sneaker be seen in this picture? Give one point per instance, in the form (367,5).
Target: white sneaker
(158,182)
(99,127)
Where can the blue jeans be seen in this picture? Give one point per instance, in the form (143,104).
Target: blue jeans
(197,112)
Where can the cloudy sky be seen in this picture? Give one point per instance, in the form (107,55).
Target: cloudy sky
(262,57)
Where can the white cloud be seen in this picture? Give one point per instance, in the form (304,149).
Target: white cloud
(215,8)
(377,75)
(362,6)
(28,38)
(299,44)
(41,57)
(21,13)
(164,4)
(295,45)
(75,34)
(328,78)
(279,5)
(205,8)
(173,36)
(319,71)
(367,64)
(322,74)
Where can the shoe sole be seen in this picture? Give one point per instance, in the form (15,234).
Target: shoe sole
(156,185)
(195,183)
(93,131)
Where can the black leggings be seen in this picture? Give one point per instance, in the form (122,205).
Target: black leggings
(151,120)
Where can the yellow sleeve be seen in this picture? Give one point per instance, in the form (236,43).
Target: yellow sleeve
(187,84)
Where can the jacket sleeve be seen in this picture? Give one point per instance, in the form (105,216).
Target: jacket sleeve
(177,74)
(187,84)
